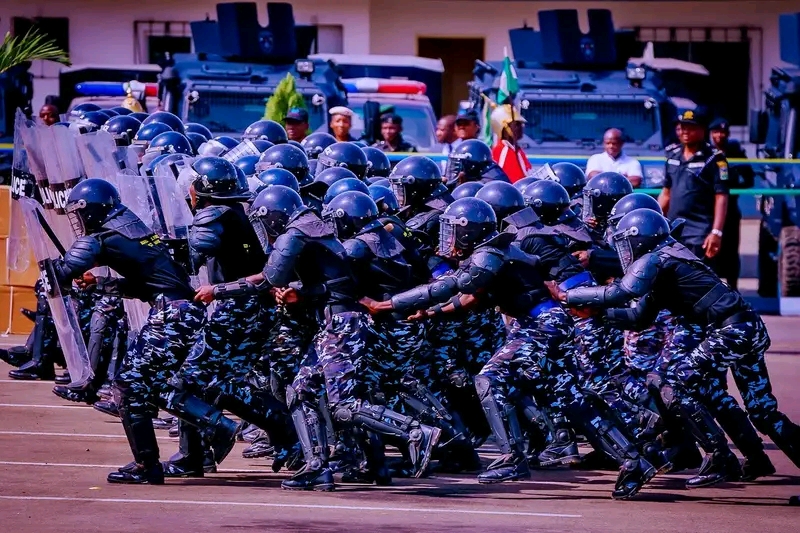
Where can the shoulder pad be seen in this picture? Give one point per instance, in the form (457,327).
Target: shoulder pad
(494,173)
(309,224)
(677,251)
(640,275)
(382,243)
(128,225)
(523,218)
(83,253)
(206,237)
(577,231)
(290,243)
(421,220)
(487,258)
(440,203)
(207,215)
(357,249)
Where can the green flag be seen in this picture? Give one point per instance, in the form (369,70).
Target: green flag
(509,86)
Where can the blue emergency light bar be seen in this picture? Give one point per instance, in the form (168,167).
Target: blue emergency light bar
(386,86)
(114,88)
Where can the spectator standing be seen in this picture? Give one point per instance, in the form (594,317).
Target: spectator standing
(614,159)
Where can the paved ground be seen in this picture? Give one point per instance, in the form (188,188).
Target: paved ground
(54,457)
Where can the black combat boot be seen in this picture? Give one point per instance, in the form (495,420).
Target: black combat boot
(787,439)
(737,426)
(563,449)
(108,407)
(80,395)
(512,465)
(315,474)
(63,378)
(373,469)
(142,438)
(215,428)
(719,464)
(16,355)
(188,461)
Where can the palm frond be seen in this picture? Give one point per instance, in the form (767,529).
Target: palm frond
(30,47)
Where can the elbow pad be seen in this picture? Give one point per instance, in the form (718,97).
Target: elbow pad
(82,255)
(602,296)
(438,291)
(235,289)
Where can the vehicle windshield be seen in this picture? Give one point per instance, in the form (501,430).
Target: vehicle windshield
(586,120)
(418,123)
(225,112)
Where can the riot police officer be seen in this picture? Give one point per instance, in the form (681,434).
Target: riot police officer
(111,235)
(472,160)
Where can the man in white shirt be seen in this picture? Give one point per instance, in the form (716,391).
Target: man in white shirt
(614,159)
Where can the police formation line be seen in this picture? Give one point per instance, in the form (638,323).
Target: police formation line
(337,306)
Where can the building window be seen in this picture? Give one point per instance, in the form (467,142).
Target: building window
(155,40)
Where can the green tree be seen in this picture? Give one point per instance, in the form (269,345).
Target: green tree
(30,47)
(284,98)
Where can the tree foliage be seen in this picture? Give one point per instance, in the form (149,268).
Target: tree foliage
(32,46)
(285,98)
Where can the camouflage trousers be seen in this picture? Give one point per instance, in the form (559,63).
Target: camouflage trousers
(602,368)
(394,345)
(341,357)
(741,347)
(536,359)
(161,346)
(231,345)
(643,348)
(288,344)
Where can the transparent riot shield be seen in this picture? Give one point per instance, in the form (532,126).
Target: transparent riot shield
(61,305)
(31,134)
(63,163)
(23,184)
(97,151)
(171,214)
(133,192)
(544,172)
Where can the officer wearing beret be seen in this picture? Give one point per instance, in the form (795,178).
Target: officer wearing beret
(696,186)
(741,177)
(392,133)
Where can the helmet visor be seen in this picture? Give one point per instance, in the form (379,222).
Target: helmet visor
(589,195)
(398,185)
(447,234)
(622,244)
(240,150)
(75,220)
(455,165)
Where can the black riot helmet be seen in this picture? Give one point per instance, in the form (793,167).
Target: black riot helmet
(343,186)
(524,182)
(196,127)
(170,142)
(147,132)
(289,157)
(196,140)
(383,182)
(262,145)
(110,113)
(165,117)
(472,157)
(296,145)
(119,110)
(467,190)
(639,232)
(385,199)
(139,115)
(414,180)
(279,176)
(248,164)
(571,177)
(123,128)
(81,109)
(465,224)
(314,144)
(637,200)
(345,155)
(269,130)
(548,199)
(90,204)
(504,198)
(378,164)
(602,192)
(350,213)
(89,122)
(323,180)
(218,178)
(272,209)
